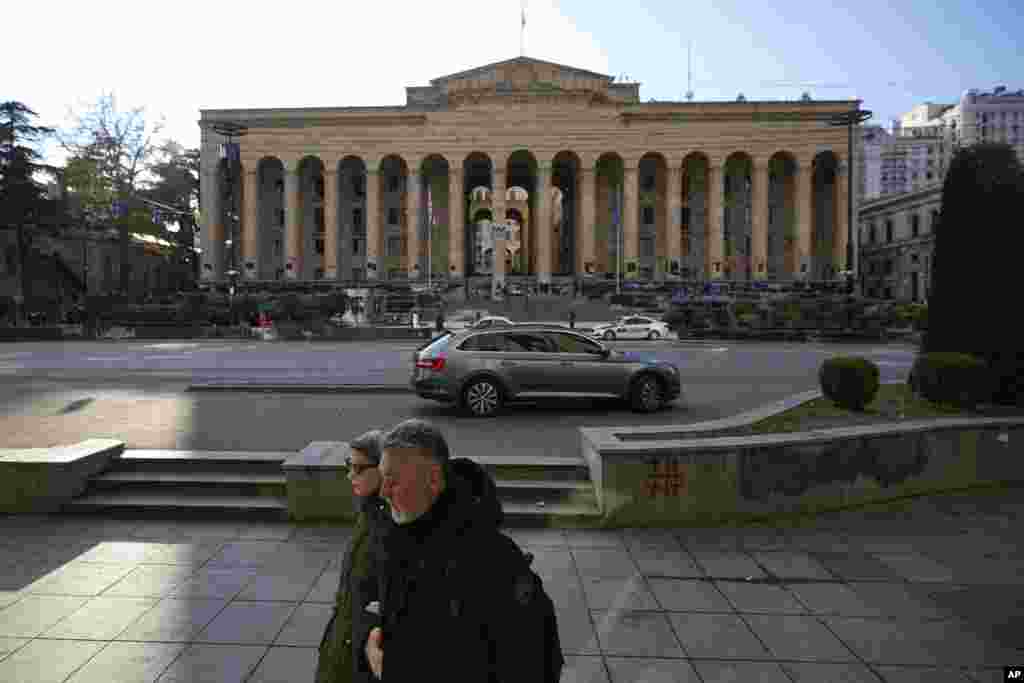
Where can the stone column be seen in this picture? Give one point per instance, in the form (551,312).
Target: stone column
(498,216)
(212,234)
(250,225)
(759,221)
(373,261)
(456,224)
(804,219)
(715,242)
(630,226)
(293,224)
(673,243)
(330,261)
(413,225)
(585,229)
(840,236)
(544,231)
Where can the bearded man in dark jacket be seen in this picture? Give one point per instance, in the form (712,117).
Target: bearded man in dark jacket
(447,597)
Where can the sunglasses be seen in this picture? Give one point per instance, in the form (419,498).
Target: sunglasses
(357,468)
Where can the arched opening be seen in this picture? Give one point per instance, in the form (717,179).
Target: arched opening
(352,216)
(477,173)
(826,205)
(737,217)
(482,255)
(517,209)
(270,217)
(652,174)
(782,236)
(565,175)
(694,221)
(436,234)
(393,216)
(521,183)
(308,263)
(608,222)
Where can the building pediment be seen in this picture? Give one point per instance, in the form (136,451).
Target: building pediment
(521,76)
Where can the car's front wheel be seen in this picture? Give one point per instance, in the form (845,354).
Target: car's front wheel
(647,394)
(609,336)
(482,398)
(653,334)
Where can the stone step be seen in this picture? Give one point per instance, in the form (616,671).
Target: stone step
(168,504)
(188,477)
(145,455)
(189,490)
(551,515)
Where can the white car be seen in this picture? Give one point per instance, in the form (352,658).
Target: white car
(492,321)
(632,327)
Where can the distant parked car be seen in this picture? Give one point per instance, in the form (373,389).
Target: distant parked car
(632,327)
(492,321)
(482,370)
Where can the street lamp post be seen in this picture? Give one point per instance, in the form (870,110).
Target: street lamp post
(851,118)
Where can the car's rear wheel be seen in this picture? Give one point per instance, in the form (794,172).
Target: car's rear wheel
(482,398)
(609,336)
(647,394)
(653,334)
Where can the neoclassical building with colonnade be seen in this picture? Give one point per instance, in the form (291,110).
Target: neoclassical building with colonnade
(592,178)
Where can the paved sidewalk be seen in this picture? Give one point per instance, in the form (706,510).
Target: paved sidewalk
(931,593)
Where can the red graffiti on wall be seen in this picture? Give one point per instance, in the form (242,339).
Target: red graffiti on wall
(668,477)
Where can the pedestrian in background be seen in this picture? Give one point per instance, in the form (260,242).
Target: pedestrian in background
(335,664)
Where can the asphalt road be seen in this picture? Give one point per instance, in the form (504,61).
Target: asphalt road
(53,393)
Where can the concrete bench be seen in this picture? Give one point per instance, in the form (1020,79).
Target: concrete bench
(44,479)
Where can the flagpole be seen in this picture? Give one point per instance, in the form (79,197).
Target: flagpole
(522,29)
(430,235)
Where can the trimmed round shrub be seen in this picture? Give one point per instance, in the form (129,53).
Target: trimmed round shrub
(849,382)
(947,377)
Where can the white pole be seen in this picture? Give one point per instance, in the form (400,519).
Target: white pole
(430,235)
(618,242)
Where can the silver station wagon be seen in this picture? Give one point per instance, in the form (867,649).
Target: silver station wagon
(482,370)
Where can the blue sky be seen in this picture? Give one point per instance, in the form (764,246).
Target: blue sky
(175,59)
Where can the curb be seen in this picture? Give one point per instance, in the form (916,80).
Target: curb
(304,388)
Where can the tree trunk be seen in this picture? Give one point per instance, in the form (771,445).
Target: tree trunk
(23,274)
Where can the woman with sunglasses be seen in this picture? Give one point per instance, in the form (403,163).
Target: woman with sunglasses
(335,664)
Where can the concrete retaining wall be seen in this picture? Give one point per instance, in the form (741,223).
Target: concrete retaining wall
(317,481)
(43,479)
(733,480)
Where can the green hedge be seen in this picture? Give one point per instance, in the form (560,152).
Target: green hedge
(849,382)
(946,377)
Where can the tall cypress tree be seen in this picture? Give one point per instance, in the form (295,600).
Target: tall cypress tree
(976,261)
(23,201)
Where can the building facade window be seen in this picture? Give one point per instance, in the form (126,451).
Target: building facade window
(393,183)
(648,215)
(357,219)
(319,246)
(394,246)
(392,216)
(915,225)
(888,230)
(355,246)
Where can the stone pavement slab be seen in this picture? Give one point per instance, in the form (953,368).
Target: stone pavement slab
(128,663)
(48,661)
(855,597)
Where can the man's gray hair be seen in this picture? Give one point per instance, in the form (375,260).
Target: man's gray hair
(369,443)
(416,433)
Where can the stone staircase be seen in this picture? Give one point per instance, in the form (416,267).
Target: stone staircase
(252,485)
(145,483)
